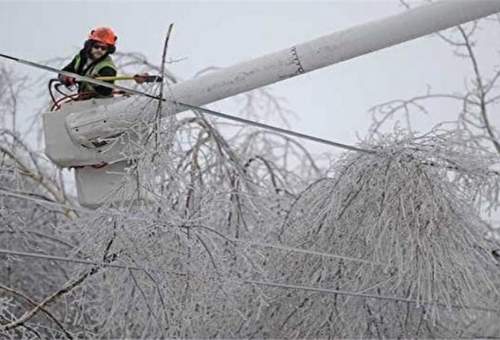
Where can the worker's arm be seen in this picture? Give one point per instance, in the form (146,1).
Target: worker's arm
(105,72)
(68,81)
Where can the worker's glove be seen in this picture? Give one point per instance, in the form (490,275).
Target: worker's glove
(141,78)
(67,81)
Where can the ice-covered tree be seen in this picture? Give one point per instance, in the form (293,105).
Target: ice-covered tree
(240,232)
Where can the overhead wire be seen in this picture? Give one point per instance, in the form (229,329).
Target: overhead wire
(308,137)
(43,202)
(364,295)
(256,282)
(186,106)
(65,259)
(274,128)
(304,251)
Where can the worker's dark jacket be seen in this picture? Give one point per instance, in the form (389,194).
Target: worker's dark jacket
(103,67)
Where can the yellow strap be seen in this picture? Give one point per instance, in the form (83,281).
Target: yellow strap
(124,77)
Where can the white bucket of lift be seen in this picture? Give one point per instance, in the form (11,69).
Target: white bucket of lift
(109,184)
(95,185)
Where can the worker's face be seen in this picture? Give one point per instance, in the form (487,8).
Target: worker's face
(97,50)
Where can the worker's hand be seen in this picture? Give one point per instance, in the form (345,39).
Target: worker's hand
(141,78)
(67,81)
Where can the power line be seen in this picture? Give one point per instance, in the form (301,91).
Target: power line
(260,283)
(66,259)
(252,243)
(192,107)
(364,295)
(40,201)
(306,251)
(187,106)
(274,128)
(305,136)
(248,242)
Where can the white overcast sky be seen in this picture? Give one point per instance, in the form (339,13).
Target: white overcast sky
(331,103)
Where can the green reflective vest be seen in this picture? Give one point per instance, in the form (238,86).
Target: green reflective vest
(93,72)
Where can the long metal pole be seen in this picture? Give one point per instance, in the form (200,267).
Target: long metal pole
(287,63)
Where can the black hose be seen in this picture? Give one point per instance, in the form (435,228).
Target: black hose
(57,86)
(51,81)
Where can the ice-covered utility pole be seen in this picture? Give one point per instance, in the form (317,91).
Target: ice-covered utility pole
(87,123)
(293,61)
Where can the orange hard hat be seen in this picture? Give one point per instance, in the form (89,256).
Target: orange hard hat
(103,35)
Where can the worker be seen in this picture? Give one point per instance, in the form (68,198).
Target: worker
(94,60)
